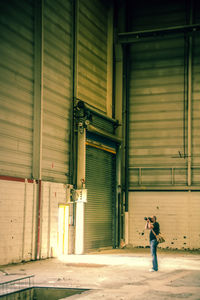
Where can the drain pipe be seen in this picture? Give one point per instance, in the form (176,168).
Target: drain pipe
(189,111)
(190,101)
(126,100)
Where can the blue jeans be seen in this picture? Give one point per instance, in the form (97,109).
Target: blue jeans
(153,245)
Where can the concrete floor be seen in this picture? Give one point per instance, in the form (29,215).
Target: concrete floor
(117,274)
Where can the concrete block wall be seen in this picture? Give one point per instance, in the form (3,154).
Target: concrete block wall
(177,212)
(17,221)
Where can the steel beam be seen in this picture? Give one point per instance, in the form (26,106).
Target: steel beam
(136,36)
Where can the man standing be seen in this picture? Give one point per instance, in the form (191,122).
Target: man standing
(154,228)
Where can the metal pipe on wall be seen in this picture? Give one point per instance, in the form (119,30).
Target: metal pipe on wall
(190,112)
(189,98)
(126,101)
(118,197)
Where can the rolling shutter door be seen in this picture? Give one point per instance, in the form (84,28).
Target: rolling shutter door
(16,76)
(99,209)
(57,89)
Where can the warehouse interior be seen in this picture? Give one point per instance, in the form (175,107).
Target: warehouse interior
(100,125)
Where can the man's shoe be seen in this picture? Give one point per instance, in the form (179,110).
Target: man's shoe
(152,270)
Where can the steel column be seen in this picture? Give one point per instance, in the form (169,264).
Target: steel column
(79,236)
(109,62)
(120,6)
(38,110)
(72,167)
(75,90)
(38,90)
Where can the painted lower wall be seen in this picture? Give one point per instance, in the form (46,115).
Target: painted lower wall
(19,220)
(178,214)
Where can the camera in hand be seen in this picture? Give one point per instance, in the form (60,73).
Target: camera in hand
(148,218)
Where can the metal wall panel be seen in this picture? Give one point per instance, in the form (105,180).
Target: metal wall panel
(156,14)
(99,212)
(156,112)
(92,53)
(16,77)
(196,100)
(57,90)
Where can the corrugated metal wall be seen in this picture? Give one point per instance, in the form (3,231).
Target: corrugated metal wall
(18,201)
(156,14)
(156,112)
(92,53)
(159,130)
(19,81)
(158,98)
(57,89)
(17,88)
(16,77)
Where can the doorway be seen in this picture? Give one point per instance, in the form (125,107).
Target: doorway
(63,229)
